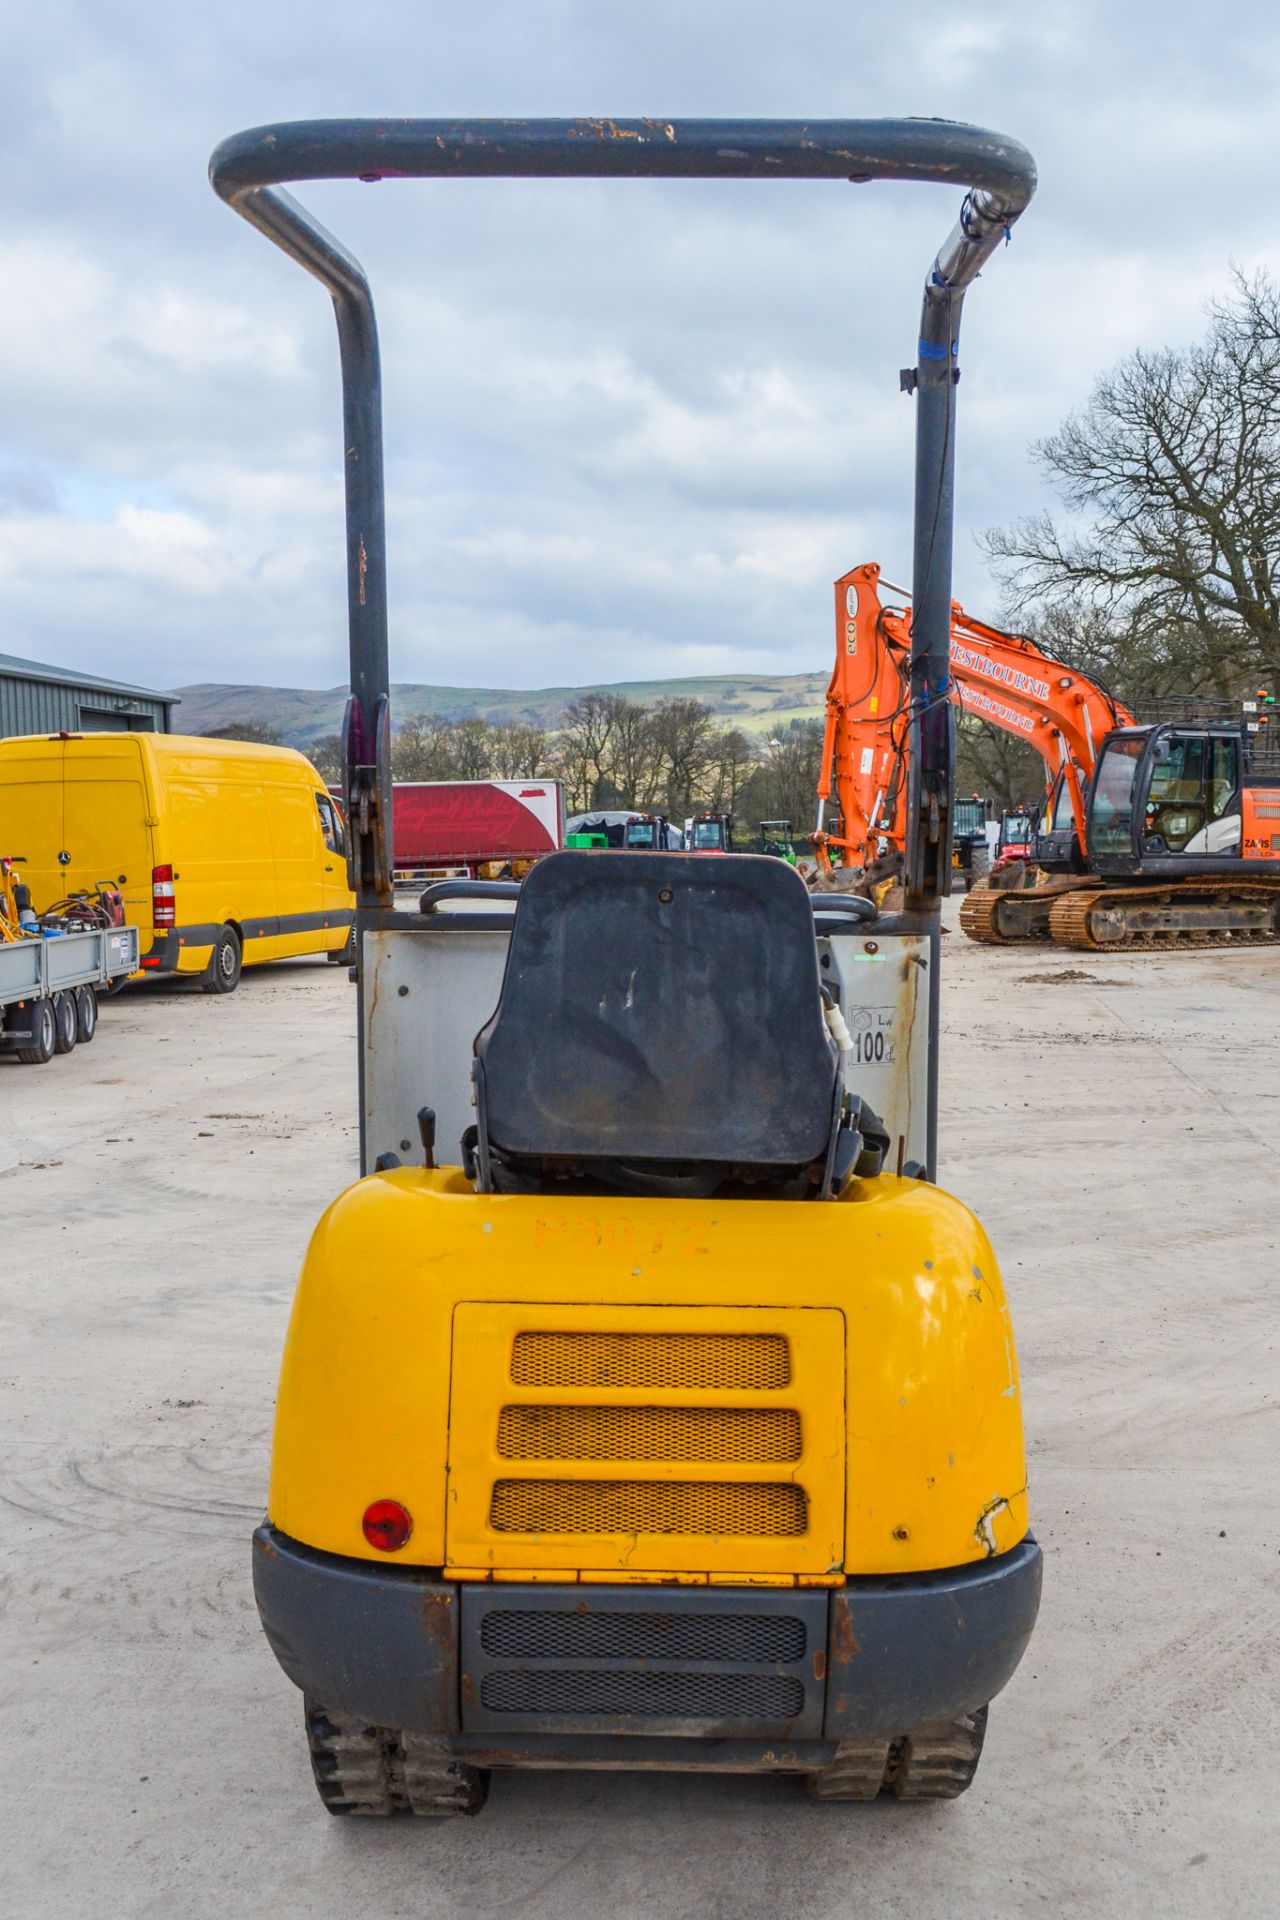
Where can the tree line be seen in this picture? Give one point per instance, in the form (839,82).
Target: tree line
(672,757)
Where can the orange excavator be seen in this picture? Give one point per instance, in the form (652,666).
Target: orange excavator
(1163,834)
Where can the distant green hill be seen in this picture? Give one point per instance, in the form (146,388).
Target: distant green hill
(756,703)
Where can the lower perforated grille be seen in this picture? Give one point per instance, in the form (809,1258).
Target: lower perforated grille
(774,1508)
(677,1696)
(649,1433)
(766,1639)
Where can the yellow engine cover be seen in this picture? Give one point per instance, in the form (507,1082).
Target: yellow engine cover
(740,1391)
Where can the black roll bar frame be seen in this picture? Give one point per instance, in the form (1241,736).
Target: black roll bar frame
(249,171)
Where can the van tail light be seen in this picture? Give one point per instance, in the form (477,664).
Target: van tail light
(162,912)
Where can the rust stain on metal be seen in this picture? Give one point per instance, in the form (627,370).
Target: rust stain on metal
(820,1664)
(466,1686)
(846,1646)
(438,1620)
(362,567)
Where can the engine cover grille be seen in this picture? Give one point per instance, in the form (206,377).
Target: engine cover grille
(718,1507)
(700,1362)
(638,1659)
(625,1442)
(649,1433)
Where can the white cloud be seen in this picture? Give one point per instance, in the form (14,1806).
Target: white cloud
(629,427)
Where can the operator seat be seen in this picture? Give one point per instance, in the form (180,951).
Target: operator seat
(660,1029)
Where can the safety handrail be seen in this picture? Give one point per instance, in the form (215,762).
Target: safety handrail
(467,890)
(850,906)
(248,170)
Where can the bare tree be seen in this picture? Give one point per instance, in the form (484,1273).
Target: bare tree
(1172,475)
(586,749)
(684,737)
(518,751)
(422,749)
(736,756)
(325,755)
(784,785)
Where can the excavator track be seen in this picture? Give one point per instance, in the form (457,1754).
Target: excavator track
(998,916)
(1210,912)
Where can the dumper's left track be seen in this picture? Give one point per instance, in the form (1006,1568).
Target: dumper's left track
(378,1771)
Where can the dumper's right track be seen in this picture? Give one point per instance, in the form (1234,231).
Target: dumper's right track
(934,1763)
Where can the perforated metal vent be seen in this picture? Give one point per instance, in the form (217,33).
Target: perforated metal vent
(649,1433)
(719,1507)
(700,1362)
(692,1696)
(642,1659)
(746,1639)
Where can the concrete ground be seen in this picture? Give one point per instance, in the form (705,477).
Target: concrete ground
(1117,1124)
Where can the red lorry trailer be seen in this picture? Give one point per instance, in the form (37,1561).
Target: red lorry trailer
(473,829)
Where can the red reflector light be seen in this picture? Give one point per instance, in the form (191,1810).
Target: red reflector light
(162,909)
(387,1525)
(151,961)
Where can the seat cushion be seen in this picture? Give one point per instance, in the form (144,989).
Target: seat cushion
(659,1007)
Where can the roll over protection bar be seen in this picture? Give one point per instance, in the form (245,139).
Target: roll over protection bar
(248,171)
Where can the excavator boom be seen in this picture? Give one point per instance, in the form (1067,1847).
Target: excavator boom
(1003,678)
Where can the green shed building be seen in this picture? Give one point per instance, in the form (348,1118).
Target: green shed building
(35,698)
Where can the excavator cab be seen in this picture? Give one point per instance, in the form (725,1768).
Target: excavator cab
(645,1402)
(1168,794)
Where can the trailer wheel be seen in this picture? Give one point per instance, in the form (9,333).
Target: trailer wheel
(222,975)
(86,1014)
(377,1771)
(65,1024)
(43,1039)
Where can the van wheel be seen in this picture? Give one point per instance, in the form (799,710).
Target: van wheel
(86,1014)
(42,1040)
(222,975)
(66,1029)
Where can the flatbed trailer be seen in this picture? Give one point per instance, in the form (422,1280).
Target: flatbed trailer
(49,988)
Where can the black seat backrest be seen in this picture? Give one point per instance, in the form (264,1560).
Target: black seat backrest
(663,1008)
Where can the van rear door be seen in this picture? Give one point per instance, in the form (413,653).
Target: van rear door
(78,810)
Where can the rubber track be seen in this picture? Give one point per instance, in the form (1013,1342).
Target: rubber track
(1069,919)
(378,1771)
(979,913)
(934,1763)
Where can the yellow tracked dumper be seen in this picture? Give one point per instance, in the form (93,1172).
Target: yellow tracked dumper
(645,1403)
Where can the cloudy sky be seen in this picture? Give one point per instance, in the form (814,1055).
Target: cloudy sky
(633,429)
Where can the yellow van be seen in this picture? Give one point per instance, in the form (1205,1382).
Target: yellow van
(227,853)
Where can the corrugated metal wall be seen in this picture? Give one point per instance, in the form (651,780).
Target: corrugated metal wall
(43,706)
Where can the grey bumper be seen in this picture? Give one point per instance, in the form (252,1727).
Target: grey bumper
(540,1669)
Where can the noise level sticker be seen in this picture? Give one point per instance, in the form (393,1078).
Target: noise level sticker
(868,755)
